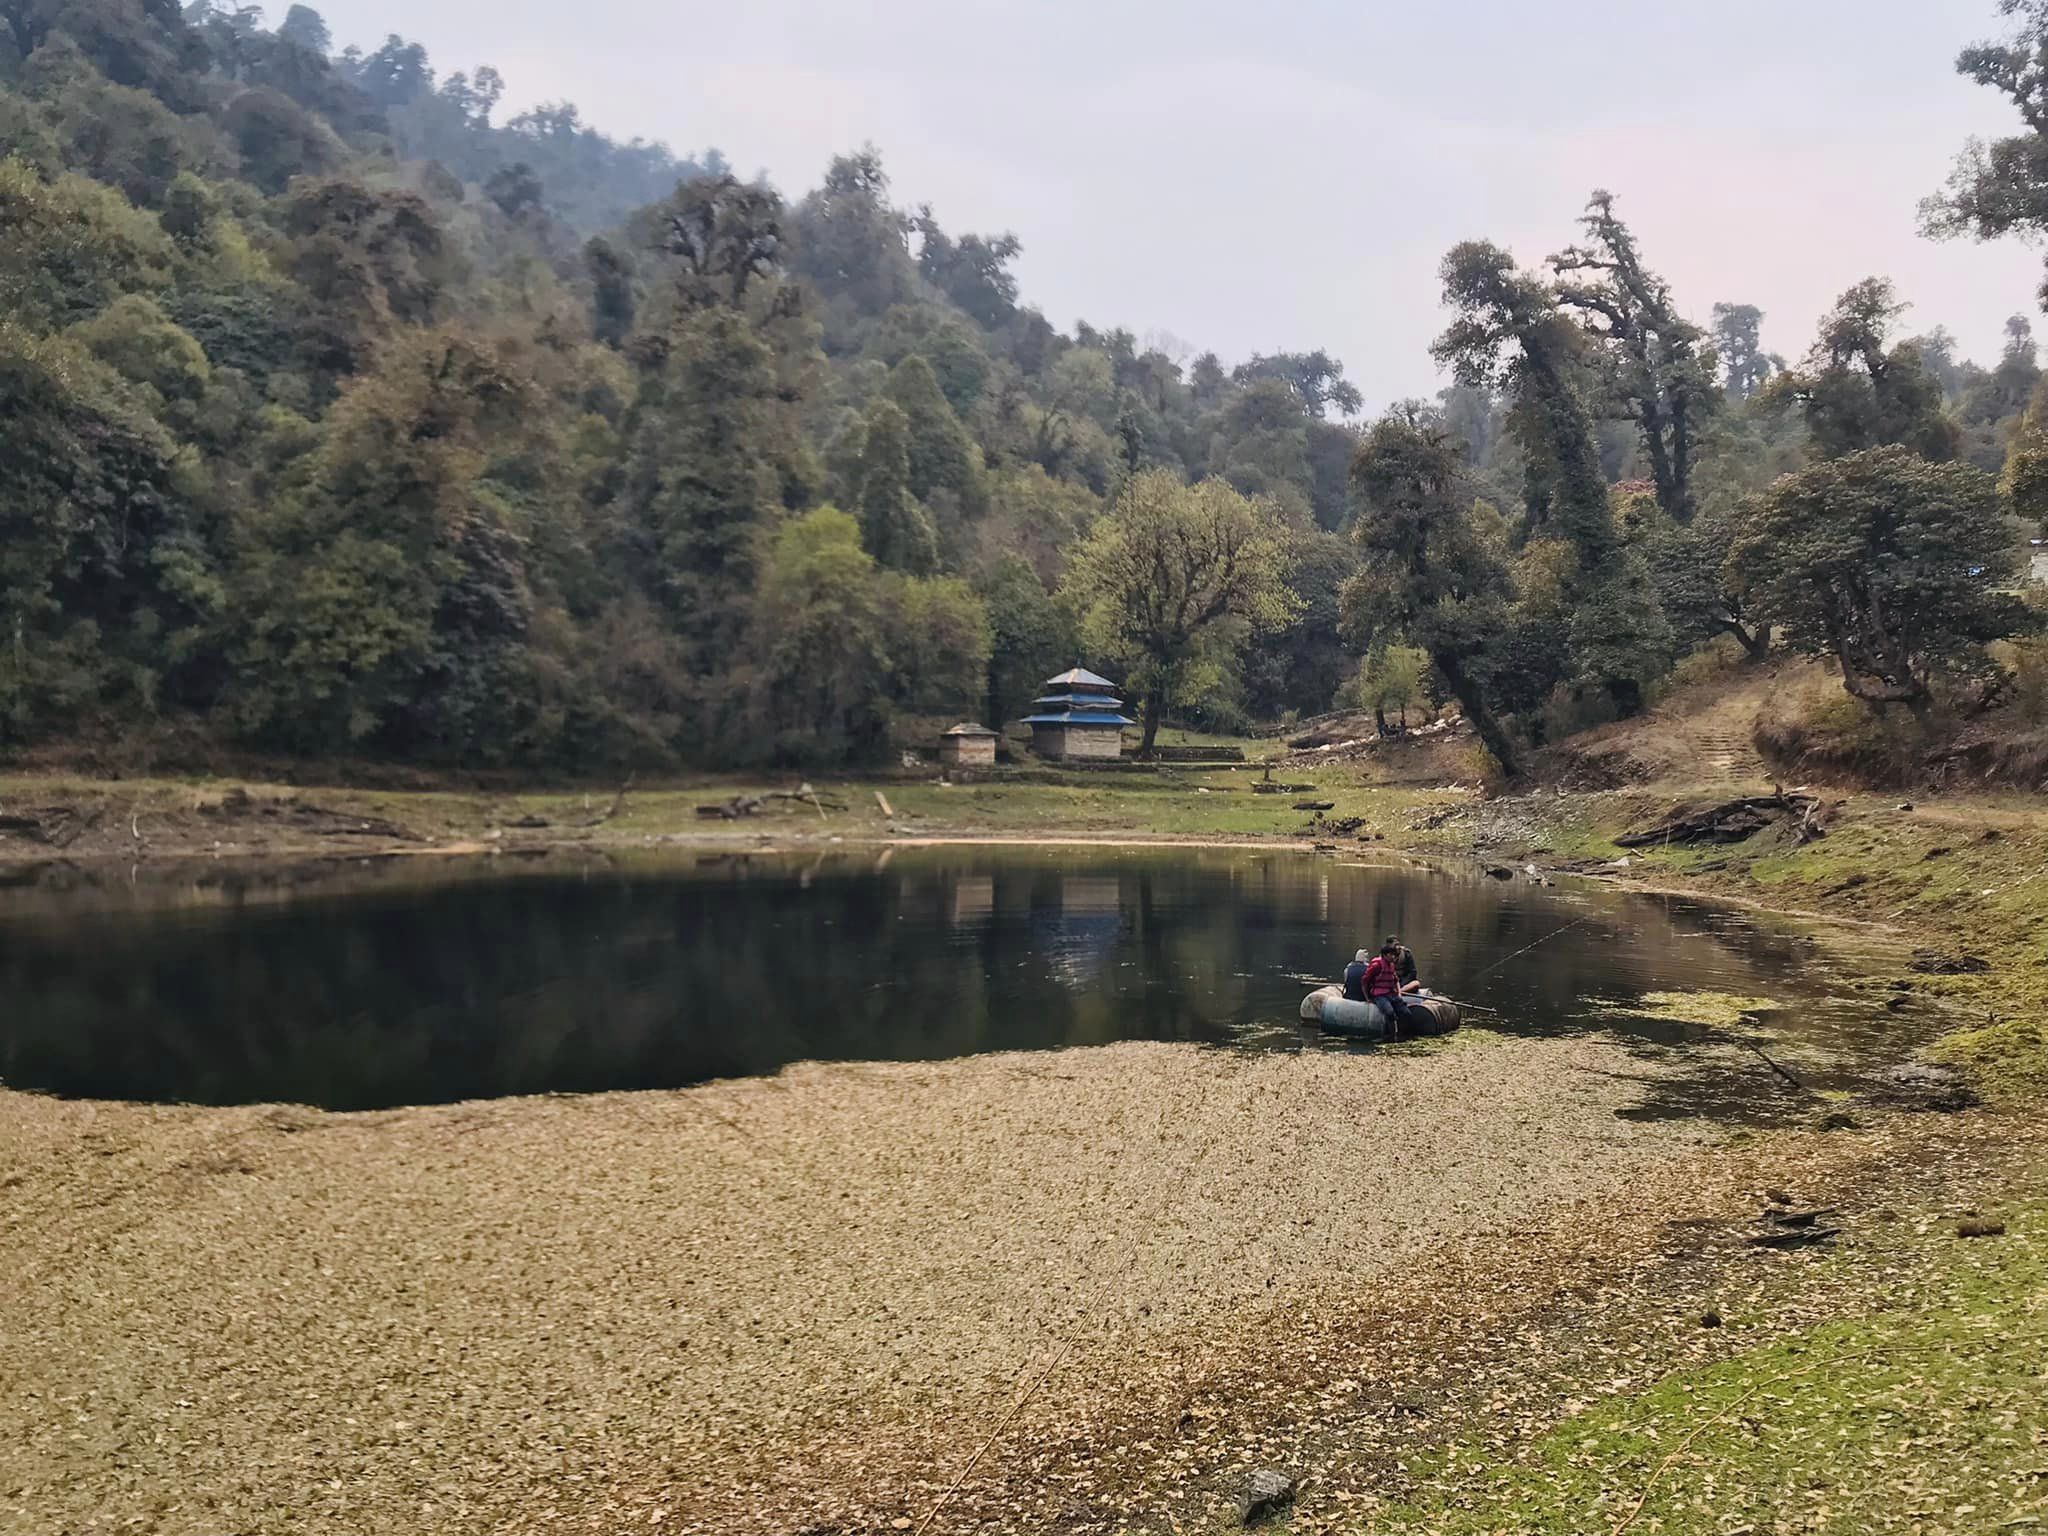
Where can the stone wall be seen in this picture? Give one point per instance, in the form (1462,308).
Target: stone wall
(1094,741)
(968,751)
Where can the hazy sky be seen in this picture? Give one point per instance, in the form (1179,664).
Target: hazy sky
(1287,175)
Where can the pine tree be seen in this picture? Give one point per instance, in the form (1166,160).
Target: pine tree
(703,484)
(895,529)
(942,453)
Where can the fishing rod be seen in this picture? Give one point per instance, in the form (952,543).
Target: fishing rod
(1584,917)
(1481,976)
(1567,928)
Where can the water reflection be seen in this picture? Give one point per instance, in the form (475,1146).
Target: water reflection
(427,983)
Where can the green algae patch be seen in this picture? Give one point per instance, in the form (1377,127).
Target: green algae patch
(1723,1009)
(2007,1061)
(1927,1416)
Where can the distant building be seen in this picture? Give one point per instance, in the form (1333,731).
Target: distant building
(1079,716)
(968,746)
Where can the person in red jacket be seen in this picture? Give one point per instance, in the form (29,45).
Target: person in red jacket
(1383,988)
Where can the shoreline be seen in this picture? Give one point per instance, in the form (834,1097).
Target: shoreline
(1304,1362)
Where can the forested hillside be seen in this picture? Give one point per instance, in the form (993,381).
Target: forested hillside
(343,419)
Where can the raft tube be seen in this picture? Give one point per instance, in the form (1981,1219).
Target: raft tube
(1338,1015)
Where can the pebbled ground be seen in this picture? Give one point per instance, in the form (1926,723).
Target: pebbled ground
(771,1304)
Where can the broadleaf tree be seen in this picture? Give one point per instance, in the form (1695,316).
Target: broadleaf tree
(1173,572)
(1430,580)
(1900,569)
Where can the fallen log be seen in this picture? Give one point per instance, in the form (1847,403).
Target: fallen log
(730,810)
(1933,962)
(342,824)
(54,826)
(1315,805)
(1802,1218)
(1795,1237)
(618,800)
(1734,821)
(806,796)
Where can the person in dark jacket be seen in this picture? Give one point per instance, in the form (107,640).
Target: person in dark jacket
(1354,977)
(1404,963)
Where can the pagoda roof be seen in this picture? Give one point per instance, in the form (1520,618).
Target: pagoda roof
(1079,677)
(1079,701)
(1081,717)
(969,728)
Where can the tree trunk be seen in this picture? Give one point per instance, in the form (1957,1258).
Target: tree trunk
(1379,718)
(1879,691)
(1756,645)
(1155,708)
(1683,506)
(1465,690)
(1662,475)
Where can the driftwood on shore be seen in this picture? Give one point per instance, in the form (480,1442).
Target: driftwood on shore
(295,814)
(54,826)
(612,810)
(1734,821)
(747,805)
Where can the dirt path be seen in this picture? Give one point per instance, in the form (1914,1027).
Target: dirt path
(1705,737)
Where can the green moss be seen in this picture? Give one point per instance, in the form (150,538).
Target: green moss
(1930,1417)
(2007,1061)
(1717,1008)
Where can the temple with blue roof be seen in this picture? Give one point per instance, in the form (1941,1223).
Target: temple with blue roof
(1079,716)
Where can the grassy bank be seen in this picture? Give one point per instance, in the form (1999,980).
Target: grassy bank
(1930,1414)
(1961,882)
(171,815)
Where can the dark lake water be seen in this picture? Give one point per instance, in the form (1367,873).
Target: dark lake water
(428,981)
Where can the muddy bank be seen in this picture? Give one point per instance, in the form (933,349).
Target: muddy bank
(464,1318)
(44,834)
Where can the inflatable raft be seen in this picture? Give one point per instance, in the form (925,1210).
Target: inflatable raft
(1338,1015)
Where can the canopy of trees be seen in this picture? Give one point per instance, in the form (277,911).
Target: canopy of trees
(348,415)
(344,417)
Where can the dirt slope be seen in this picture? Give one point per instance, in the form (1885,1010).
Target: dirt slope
(1703,734)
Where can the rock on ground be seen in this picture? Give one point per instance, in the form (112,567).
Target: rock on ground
(1266,1494)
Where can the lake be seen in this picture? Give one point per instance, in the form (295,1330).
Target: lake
(378,983)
